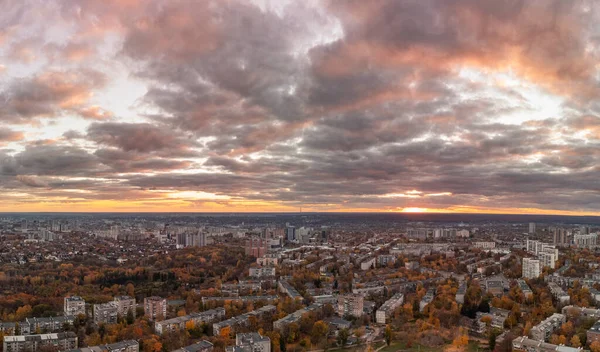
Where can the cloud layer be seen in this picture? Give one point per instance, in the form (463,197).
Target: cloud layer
(460,105)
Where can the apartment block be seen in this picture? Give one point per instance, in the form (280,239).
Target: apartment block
(74,305)
(350,305)
(155,308)
(383,314)
(106,313)
(179,323)
(122,346)
(63,341)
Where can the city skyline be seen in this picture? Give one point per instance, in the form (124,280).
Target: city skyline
(274,106)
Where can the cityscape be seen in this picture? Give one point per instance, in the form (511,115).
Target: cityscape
(299,175)
(298,282)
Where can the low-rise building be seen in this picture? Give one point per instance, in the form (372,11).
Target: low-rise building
(295,316)
(367,264)
(241,320)
(106,313)
(593,334)
(63,341)
(484,245)
(179,323)
(122,346)
(382,315)
(559,294)
(525,289)
(74,305)
(575,311)
(524,344)
(285,287)
(263,271)
(250,342)
(202,346)
(428,298)
(543,330)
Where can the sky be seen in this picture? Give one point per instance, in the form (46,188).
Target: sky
(280,105)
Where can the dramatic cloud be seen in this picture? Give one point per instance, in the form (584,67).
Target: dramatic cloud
(455,105)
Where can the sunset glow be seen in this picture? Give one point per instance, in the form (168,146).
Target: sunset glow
(328,106)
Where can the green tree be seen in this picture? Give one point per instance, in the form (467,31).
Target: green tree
(342,337)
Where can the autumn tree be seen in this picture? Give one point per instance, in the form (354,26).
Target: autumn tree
(595,346)
(319,332)
(388,335)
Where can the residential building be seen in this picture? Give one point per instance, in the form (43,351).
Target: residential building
(593,334)
(531,268)
(559,294)
(179,323)
(385,260)
(382,315)
(532,227)
(295,316)
(428,298)
(368,264)
(548,257)
(485,245)
(202,346)
(242,320)
(106,313)
(462,233)
(524,344)
(575,311)
(122,346)
(155,308)
(460,293)
(124,305)
(74,305)
(585,240)
(250,342)
(543,330)
(263,271)
(256,246)
(350,305)
(288,289)
(63,341)
(44,324)
(525,288)
(560,237)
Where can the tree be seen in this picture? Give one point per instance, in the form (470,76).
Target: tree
(130,317)
(575,342)
(388,335)
(342,337)
(130,289)
(595,346)
(319,331)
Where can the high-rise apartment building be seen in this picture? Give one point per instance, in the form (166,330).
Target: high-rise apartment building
(532,227)
(350,305)
(560,236)
(531,268)
(155,308)
(585,240)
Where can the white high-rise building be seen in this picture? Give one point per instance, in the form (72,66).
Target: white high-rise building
(585,240)
(532,227)
(531,268)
